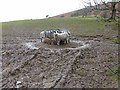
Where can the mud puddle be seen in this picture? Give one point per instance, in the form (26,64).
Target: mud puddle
(74,44)
(37,65)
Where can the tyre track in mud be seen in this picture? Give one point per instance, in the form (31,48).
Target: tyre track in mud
(61,65)
(63,61)
(56,68)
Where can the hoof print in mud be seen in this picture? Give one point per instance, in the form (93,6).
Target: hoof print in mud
(55,58)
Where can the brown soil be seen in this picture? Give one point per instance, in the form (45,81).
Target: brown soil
(51,66)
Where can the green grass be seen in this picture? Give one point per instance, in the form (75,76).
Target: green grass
(77,25)
(115,73)
(116,40)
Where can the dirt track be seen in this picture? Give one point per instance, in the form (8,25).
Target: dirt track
(44,66)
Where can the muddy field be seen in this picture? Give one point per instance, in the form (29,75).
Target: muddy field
(81,64)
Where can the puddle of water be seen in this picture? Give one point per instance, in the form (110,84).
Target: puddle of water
(76,41)
(18,38)
(31,46)
(80,45)
(84,46)
(75,45)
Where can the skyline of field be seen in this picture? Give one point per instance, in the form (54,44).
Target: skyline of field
(37,9)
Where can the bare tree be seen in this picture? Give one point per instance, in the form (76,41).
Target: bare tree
(111,7)
(88,7)
(84,11)
(96,4)
(87,3)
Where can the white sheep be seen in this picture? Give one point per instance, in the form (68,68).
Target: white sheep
(63,36)
(55,36)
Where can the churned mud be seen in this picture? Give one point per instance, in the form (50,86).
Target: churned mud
(81,64)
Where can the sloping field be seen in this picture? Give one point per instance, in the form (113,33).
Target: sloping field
(84,63)
(77,25)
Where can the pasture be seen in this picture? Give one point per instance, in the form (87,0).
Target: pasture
(77,25)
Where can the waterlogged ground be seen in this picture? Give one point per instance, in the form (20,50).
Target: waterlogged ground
(81,64)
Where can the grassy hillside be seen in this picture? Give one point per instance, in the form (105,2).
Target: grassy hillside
(77,25)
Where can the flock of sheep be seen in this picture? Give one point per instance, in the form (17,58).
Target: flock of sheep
(55,36)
